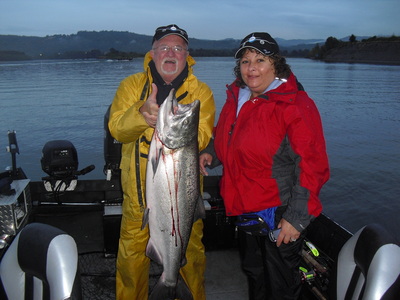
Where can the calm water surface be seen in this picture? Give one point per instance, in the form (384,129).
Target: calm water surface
(359,106)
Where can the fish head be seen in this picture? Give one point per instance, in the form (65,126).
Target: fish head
(177,124)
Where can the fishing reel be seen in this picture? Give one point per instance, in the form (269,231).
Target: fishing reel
(315,270)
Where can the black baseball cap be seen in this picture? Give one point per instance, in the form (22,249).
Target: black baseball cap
(163,31)
(260,41)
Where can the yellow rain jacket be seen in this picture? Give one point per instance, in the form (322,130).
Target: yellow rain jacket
(128,126)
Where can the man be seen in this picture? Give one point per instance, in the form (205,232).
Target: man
(133,116)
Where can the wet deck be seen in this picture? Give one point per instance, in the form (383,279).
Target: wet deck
(96,233)
(223,278)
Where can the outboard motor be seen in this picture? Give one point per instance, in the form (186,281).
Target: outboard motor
(112,150)
(60,161)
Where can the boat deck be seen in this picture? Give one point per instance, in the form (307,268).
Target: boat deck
(91,215)
(223,278)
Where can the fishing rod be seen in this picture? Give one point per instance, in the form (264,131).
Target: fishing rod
(13,149)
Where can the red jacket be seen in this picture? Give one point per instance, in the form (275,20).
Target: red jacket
(273,153)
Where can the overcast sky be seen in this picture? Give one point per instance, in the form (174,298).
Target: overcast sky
(204,19)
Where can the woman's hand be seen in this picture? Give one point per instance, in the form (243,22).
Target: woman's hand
(288,233)
(205,159)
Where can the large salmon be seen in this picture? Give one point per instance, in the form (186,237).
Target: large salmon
(173,199)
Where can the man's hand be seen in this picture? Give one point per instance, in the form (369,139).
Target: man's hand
(205,159)
(150,108)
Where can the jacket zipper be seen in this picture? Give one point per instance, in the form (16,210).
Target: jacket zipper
(231,131)
(234,123)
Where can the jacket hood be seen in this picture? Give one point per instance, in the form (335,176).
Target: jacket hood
(285,92)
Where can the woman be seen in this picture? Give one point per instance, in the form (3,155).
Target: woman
(270,141)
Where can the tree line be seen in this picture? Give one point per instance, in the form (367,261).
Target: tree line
(115,54)
(319,52)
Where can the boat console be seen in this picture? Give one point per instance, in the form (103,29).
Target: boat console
(15,207)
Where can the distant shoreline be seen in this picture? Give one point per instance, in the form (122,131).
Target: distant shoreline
(364,52)
(379,53)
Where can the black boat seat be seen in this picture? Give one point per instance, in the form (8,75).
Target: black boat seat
(369,266)
(41,263)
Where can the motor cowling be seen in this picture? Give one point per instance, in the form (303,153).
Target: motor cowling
(59,159)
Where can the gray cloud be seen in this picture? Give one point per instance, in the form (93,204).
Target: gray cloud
(205,19)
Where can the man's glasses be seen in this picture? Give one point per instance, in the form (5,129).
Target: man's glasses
(176,49)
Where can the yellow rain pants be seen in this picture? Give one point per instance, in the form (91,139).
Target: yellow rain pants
(133,265)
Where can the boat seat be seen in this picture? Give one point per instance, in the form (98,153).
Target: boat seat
(41,263)
(369,266)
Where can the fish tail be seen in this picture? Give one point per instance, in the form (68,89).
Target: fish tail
(180,291)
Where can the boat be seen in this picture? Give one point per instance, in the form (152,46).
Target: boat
(90,212)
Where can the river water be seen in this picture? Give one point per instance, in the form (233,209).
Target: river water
(359,105)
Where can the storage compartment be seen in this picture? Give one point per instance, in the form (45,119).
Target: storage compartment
(111,227)
(15,208)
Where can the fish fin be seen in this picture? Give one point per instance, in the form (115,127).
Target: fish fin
(182,290)
(145,219)
(152,253)
(154,164)
(161,291)
(200,212)
(183,262)
(156,159)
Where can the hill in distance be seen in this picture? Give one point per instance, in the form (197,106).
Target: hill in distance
(125,41)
